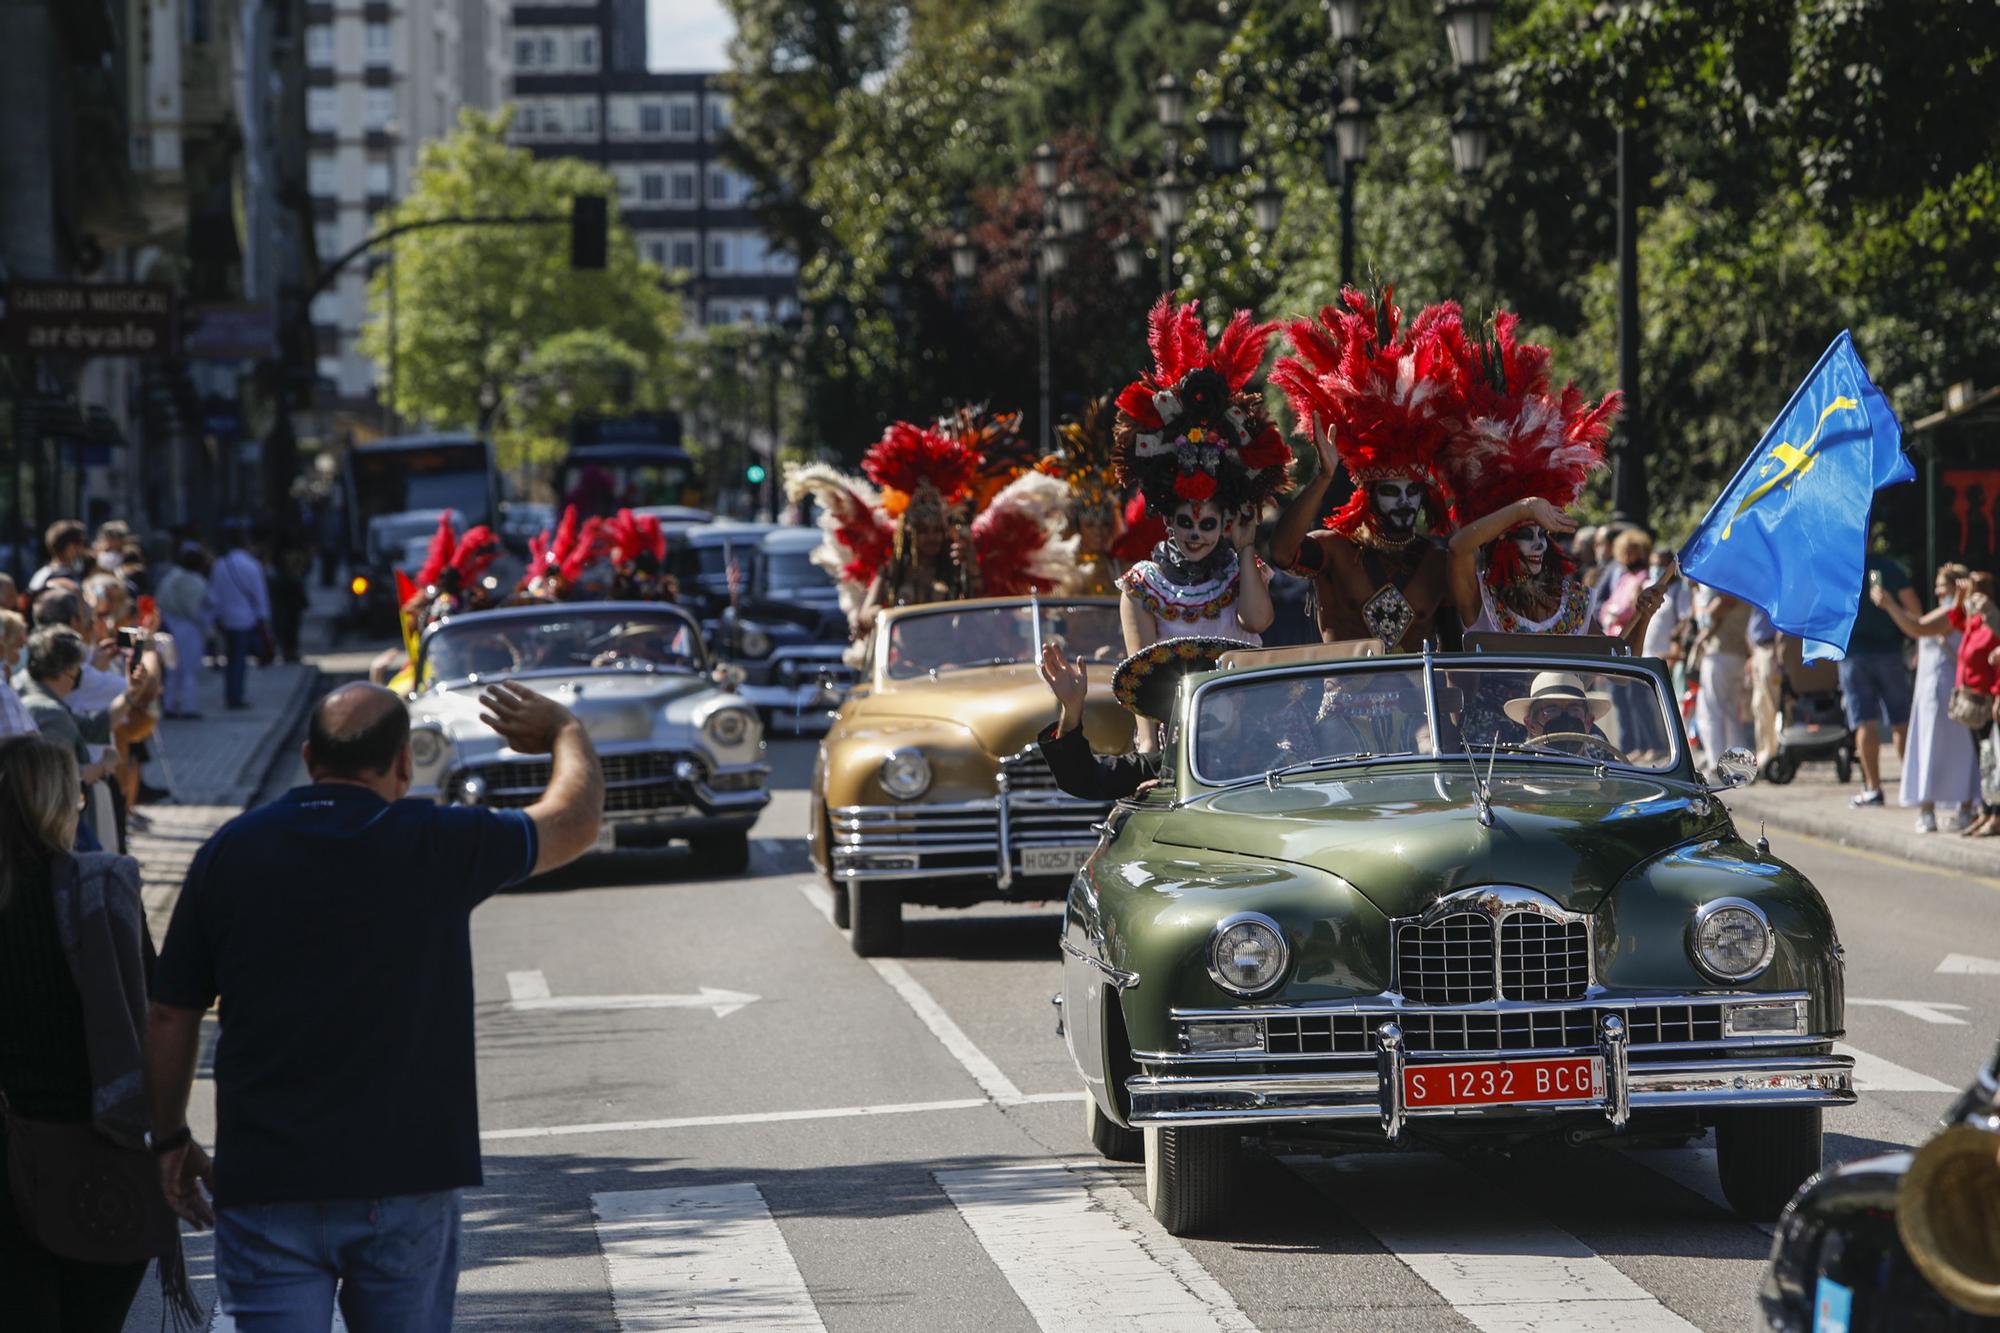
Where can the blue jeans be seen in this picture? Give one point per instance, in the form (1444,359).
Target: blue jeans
(238,643)
(395,1260)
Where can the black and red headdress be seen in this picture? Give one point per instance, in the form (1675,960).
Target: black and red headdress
(453,566)
(636,546)
(557,561)
(1383,391)
(1192,428)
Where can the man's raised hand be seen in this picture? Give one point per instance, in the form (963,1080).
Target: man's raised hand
(1067,682)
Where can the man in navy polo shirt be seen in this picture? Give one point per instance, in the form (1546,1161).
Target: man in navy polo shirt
(334,925)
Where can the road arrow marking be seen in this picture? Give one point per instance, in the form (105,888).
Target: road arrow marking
(1930,1011)
(1874,1074)
(1968,965)
(723,1002)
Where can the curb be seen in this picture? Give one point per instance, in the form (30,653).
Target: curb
(1945,851)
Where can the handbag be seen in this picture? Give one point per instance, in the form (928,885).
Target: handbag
(83,1197)
(1968,707)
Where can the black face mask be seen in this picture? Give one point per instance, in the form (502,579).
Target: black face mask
(1574,721)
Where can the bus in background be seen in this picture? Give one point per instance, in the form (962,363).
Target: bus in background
(629,462)
(408,475)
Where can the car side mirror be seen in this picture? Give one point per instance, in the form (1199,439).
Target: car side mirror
(1736,768)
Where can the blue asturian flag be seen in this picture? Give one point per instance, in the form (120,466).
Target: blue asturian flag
(1790,531)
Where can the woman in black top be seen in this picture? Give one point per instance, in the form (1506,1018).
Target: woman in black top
(44,1060)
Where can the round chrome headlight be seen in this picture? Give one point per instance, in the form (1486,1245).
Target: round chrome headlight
(753,642)
(728,726)
(906,774)
(1731,939)
(1247,954)
(426,746)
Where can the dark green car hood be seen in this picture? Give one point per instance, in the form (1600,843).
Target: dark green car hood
(1404,838)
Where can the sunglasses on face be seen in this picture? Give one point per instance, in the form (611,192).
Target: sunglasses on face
(1547,716)
(1205,526)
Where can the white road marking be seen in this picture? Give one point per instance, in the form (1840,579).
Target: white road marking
(723,1002)
(530,985)
(819,896)
(1503,1270)
(984,1072)
(745,1118)
(700,1256)
(1967,964)
(1082,1254)
(1930,1011)
(1874,1074)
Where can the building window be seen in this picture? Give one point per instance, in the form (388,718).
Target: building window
(680,119)
(545,52)
(583,50)
(656,252)
(621,115)
(555,121)
(525,124)
(375,43)
(718,255)
(652,186)
(326,239)
(718,115)
(322,110)
(718,187)
(319,44)
(682,187)
(379,109)
(378,177)
(684,253)
(583,117)
(524,53)
(628,185)
(719,313)
(322,175)
(652,120)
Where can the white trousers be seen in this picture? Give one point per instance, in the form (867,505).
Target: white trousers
(1718,710)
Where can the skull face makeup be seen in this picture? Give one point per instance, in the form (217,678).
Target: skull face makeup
(1533,545)
(1196,529)
(1396,504)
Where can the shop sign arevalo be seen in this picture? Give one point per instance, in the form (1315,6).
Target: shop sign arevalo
(87,319)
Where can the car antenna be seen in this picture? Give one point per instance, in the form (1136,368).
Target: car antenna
(1482,803)
(1035,612)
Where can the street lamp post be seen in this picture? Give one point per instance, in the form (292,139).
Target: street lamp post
(1628,455)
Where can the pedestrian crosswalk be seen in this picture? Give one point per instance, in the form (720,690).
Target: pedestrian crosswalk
(700,1256)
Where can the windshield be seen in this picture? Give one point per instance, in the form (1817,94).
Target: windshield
(599,489)
(793,572)
(1243,729)
(565,641)
(953,639)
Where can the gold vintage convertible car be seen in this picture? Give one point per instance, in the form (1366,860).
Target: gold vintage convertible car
(929,788)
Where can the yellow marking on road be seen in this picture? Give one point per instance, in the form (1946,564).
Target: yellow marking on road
(1796,460)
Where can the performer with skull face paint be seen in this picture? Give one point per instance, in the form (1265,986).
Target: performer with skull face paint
(1193,437)
(1519,459)
(1370,393)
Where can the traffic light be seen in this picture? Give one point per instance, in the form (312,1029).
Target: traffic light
(589,223)
(754,474)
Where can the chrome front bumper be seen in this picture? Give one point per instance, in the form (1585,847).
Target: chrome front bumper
(1751,1078)
(992,839)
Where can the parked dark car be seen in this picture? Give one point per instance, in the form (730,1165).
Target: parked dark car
(1908,1242)
(788,633)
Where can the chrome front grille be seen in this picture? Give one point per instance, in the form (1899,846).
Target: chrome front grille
(957,839)
(1471,956)
(1427,1032)
(1027,771)
(1543,960)
(633,782)
(1449,961)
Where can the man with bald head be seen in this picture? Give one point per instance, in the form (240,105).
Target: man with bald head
(334,925)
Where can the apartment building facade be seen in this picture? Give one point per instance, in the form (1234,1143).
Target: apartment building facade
(384,77)
(581,89)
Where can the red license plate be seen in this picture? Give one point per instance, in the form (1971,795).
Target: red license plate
(1498,1082)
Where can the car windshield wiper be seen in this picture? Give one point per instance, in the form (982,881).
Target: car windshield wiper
(1272,776)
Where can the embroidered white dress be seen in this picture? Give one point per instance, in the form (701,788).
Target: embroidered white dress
(1208,607)
(1571,616)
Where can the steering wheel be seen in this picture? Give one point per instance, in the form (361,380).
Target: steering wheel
(1577,743)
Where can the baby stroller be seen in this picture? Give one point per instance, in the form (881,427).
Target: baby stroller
(1812,720)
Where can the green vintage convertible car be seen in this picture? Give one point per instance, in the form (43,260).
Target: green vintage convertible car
(1480,897)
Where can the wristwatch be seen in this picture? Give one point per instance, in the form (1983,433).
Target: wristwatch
(173,1141)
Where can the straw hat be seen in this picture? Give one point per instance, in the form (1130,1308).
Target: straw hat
(1557,685)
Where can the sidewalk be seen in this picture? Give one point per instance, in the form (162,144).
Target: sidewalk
(1814,803)
(214,766)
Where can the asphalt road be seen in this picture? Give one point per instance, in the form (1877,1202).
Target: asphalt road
(702,1110)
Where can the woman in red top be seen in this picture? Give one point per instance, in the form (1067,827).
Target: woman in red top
(1979,671)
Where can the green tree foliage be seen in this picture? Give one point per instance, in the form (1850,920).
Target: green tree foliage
(493,327)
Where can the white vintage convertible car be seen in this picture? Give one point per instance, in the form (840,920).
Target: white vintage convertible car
(683,755)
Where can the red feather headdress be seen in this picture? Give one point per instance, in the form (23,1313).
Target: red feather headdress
(438,559)
(909,459)
(629,536)
(1384,391)
(557,561)
(477,550)
(1513,438)
(1192,428)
